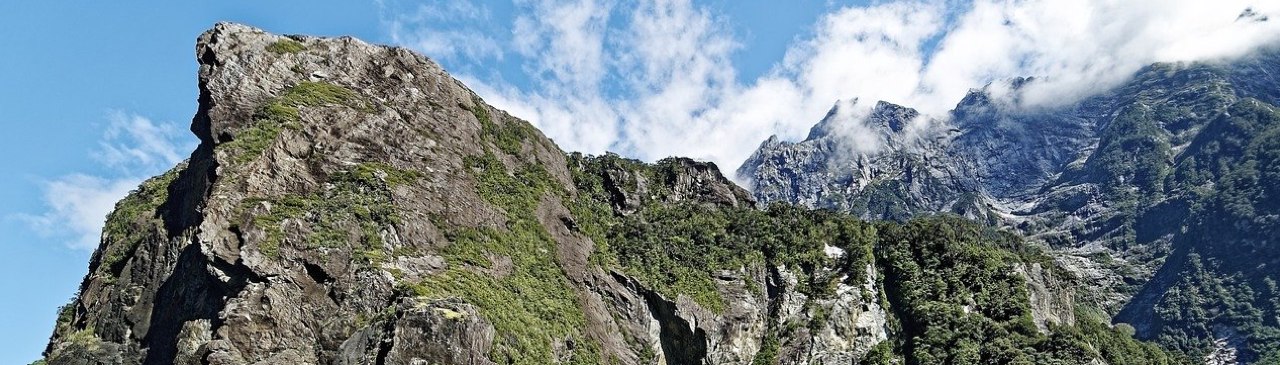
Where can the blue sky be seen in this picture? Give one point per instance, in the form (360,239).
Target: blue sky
(95,96)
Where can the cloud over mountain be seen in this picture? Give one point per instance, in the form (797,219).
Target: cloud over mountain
(655,77)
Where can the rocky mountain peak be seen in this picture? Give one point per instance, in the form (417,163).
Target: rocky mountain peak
(242,67)
(829,123)
(354,204)
(891,117)
(885,117)
(1116,185)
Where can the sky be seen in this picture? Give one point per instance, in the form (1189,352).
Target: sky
(97,96)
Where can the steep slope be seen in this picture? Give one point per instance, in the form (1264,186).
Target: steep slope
(1125,186)
(903,173)
(354,204)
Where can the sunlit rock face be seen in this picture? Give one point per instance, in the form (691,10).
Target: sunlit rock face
(354,204)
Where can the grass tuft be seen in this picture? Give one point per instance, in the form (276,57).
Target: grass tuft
(283,112)
(351,213)
(286,45)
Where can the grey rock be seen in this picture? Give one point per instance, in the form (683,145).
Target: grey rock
(267,246)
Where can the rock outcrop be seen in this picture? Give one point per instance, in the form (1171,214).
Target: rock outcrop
(319,222)
(354,204)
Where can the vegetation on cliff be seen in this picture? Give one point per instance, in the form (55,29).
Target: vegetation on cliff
(951,283)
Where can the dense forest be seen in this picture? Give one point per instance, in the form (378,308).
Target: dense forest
(952,285)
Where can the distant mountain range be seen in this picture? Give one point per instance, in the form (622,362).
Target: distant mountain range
(354,204)
(1156,195)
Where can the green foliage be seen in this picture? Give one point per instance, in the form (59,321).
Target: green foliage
(375,173)
(1133,152)
(768,354)
(67,313)
(531,307)
(286,45)
(85,338)
(1222,144)
(516,192)
(880,354)
(594,215)
(959,299)
(952,288)
(1113,344)
(1203,298)
(678,248)
(252,141)
(135,219)
(312,94)
(65,324)
(952,283)
(508,135)
(1226,272)
(1272,357)
(352,212)
(283,112)
(887,198)
(530,302)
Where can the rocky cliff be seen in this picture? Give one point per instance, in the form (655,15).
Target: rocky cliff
(354,204)
(1123,186)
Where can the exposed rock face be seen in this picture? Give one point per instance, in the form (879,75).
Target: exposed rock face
(908,173)
(1116,185)
(329,217)
(224,266)
(1052,298)
(856,322)
(354,204)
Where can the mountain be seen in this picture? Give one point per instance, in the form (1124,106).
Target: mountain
(354,204)
(1156,193)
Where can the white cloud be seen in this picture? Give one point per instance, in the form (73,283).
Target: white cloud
(135,143)
(1083,47)
(437,29)
(77,204)
(654,78)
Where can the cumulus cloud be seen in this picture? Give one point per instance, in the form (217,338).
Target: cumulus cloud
(134,148)
(78,205)
(653,78)
(134,143)
(441,29)
(1082,47)
(564,45)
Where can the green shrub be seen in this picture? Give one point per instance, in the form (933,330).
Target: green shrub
(534,305)
(768,354)
(531,307)
(286,45)
(352,213)
(508,135)
(951,284)
(517,193)
(283,113)
(134,220)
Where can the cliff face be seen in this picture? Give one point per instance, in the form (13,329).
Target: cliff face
(351,203)
(1123,187)
(354,204)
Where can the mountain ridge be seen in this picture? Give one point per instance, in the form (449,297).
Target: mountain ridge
(1111,182)
(351,204)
